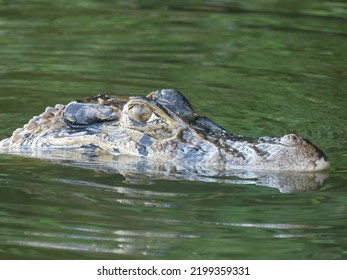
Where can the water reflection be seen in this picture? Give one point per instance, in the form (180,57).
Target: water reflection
(140,243)
(86,216)
(141,171)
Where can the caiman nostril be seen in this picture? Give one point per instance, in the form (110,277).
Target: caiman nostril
(293,137)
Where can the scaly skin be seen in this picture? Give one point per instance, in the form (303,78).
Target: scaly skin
(160,126)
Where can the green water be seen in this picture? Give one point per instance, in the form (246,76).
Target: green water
(254,67)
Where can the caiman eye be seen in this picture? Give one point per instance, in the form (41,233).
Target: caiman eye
(140,113)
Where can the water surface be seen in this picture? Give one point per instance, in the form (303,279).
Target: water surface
(263,68)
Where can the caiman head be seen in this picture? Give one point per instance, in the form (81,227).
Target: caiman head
(164,127)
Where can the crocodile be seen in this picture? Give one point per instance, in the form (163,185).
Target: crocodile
(163,127)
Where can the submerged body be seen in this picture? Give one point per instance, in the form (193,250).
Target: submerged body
(161,126)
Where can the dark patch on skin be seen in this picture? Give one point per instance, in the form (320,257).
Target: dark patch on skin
(237,153)
(145,142)
(184,135)
(143,151)
(260,152)
(318,151)
(85,130)
(89,148)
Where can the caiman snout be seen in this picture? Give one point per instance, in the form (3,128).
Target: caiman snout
(321,161)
